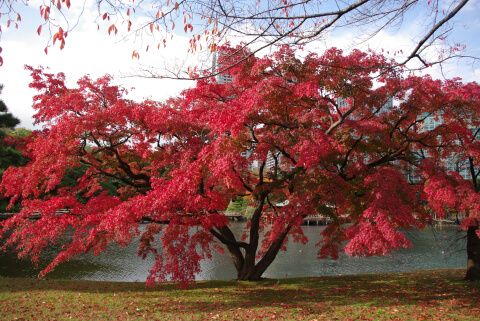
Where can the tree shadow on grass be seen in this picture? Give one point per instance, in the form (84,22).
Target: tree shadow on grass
(433,290)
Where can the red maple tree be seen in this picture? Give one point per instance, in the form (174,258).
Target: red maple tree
(319,140)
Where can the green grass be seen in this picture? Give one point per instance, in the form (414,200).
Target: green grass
(420,295)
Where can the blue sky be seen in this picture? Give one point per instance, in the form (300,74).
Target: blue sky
(93,52)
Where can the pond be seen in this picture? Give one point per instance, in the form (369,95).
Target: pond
(431,250)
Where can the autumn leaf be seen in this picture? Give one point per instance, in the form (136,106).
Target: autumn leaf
(45,12)
(112,28)
(59,36)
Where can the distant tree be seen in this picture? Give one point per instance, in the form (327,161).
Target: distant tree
(9,155)
(238,205)
(6,119)
(343,155)
(18,132)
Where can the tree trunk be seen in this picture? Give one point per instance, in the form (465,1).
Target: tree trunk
(248,270)
(473,254)
(271,254)
(235,252)
(254,272)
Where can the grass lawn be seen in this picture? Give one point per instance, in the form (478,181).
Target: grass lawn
(420,295)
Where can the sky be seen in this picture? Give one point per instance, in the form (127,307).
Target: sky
(94,52)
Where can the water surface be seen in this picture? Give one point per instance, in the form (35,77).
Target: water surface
(430,251)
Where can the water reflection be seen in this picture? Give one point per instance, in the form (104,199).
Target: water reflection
(123,264)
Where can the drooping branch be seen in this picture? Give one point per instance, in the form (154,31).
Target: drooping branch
(226,237)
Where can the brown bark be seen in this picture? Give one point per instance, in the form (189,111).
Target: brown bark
(473,254)
(246,273)
(235,253)
(269,256)
(248,270)
(244,264)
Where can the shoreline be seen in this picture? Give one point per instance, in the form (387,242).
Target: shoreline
(293,279)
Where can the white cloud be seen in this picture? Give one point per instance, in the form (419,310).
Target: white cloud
(93,52)
(87,51)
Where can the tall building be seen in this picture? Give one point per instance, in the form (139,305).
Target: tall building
(225,78)
(453,163)
(273,159)
(342,103)
(222,78)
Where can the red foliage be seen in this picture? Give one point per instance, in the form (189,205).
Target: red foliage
(180,162)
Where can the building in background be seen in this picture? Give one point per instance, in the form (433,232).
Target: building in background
(222,78)
(453,163)
(342,103)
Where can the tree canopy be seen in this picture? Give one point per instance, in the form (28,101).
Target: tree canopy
(259,24)
(10,155)
(295,136)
